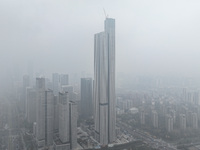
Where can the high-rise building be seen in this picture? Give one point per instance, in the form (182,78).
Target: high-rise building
(26,83)
(44,114)
(64,117)
(40,112)
(196,98)
(86,98)
(49,117)
(155,119)
(194,121)
(31,105)
(56,114)
(104,83)
(55,83)
(67,138)
(142,117)
(182,121)
(64,79)
(169,123)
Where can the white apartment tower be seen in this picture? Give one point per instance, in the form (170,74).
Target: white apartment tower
(40,111)
(44,114)
(104,83)
(67,123)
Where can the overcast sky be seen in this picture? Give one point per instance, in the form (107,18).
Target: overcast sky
(153,37)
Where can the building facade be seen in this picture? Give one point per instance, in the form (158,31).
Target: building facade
(44,114)
(104,83)
(86,98)
(67,138)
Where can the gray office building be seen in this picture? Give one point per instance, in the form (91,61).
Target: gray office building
(64,79)
(86,98)
(31,105)
(40,111)
(104,83)
(55,83)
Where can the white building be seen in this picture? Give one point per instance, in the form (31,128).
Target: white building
(67,138)
(40,111)
(44,114)
(104,83)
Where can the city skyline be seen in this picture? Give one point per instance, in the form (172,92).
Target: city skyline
(99,75)
(154,38)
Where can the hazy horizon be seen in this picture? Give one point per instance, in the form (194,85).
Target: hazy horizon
(158,38)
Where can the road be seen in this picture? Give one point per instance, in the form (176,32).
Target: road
(146,138)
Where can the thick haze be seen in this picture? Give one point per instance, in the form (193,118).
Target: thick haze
(153,37)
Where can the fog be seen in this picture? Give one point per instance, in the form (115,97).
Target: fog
(159,38)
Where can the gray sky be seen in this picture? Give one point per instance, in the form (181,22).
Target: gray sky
(153,37)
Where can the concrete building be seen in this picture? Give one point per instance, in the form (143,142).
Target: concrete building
(86,98)
(67,88)
(155,119)
(64,79)
(64,117)
(44,114)
(169,123)
(56,114)
(31,105)
(26,83)
(194,120)
(40,111)
(104,83)
(55,83)
(73,114)
(49,117)
(142,118)
(67,138)
(196,98)
(182,121)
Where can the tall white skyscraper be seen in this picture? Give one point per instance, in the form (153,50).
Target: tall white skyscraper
(44,114)
(104,83)
(40,111)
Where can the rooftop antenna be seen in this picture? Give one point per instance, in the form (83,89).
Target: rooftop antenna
(106,16)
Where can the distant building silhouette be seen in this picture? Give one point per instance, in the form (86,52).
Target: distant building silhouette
(31,105)
(182,121)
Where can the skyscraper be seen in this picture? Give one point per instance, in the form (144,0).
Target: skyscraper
(55,83)
(31,105)
(104,83)
(64,79)
(67,138)
(86,98)
(44,114)
(40,111)
(26,83)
